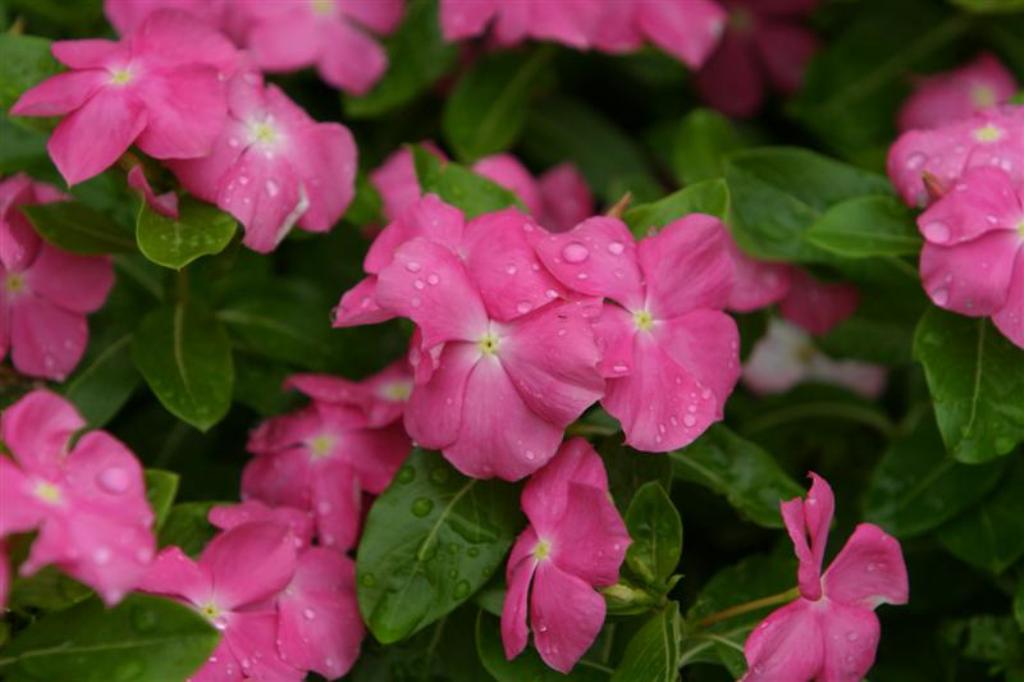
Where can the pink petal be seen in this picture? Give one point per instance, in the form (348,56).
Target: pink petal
(202,177)
(688,31)
(78,152)
(597,257)
(518,574)
(433,416)
(868,571)
(1010,319)
(507,171)
(564,22)
(165,204)
(299,522)
(221,666)
(565,198)
(319,624)
(984,200)
(60,94)
(380,397)
(396,181)
(102,471)
(756,284)
(808,525)
(972,278)
(381,16)
(351,61)
(546,494)
(375,455)
(946,97)
(686,266)
(851,635)
(428,283)
(171,38)
(46,340)
(730,80)
(287,41)
(465,18)
(20,509)
(590,540)
(252,639)
(79,284)
(324,157)
(566,614)
(776,364)
(19,242)
(358,306)
(264,195)
(89,54)
(266,550)
(37,430)
(785,50)
(817,306)
(787,645)
(427,217)
(336,501)
(186,110)
(705,343)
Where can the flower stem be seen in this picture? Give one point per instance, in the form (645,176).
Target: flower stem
(747,607)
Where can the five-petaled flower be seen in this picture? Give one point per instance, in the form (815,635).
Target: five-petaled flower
(947,97)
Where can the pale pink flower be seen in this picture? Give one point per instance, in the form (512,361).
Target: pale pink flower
(160,88)
(273,167)
(946,97)
(756,284)
(380,397)
(925,164)
(830,632)
(337,36)
(688,30)
(973,258)
(765,44)
(322,458)
(87,503)
(45,292)
(786,356)
(234,584)
(559,199)
(669,353)
(576,541)
(817,306)
(126,15)
(513,21)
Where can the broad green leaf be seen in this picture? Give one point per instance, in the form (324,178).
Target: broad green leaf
(49,589)
(865,227)
(778,193)
(527,666)
(561,129)
(710,196)
(143,639)
(366,205)
(1018,604)
(417,57)
(75,227)
(629,470)
(1006,36)
(161,487)
(657,533)
(201,229)
(184,355)
(104,380)
(749,478)
(187,527)
(992,639)
(881,330)
(22,147)
(701,145)
(258,383)
(991,6)
(654,653)
(25,61)
(917,486)
(990,536)
(486,111)
(459,186)
(976,378)
(431,540)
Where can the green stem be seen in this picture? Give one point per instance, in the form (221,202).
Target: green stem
(747,607)
(181,286)
(589,430)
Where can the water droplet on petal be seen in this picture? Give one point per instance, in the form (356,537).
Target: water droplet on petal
(114,480)
(936,231)
(523,307)
(412,266)
(308,614)
(940,296)
(272,188)
(689,420)
(616,248)
(433,279)
(575,252)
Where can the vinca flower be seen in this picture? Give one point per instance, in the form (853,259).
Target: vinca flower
(944,98)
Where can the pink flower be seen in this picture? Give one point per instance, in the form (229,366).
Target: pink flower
(160,88)
(576,541)
(165,204)
(688,30)
(381,397)
(786,356)
(514,21)
(126,15)
(396,180)
(334,35)
(973,258)
(947,97)
(817,306)
(321,458)
(756,284)
(670,354)
(273,167)
(765,44)
(511,364)
(87,503)
(299,522)
(558,199)
(831,631)
(45,292)
(234,584)
(925,164)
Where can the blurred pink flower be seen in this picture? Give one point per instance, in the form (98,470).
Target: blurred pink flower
(817,306)
(688,30)
(944,98)
(514,21)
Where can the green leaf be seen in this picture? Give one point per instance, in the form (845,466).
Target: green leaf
(992,639)
(657,533)
(917,486)
(201,229)
(75,227)
(976,378)
(104,380)
(143,639)
(629,470)
(749,477)
(48,589)
(881,330)
(417,57)
(187,527)
(527,666)
(865,227)
(778,193)
(710,196)
(161,487)
(704,139)
(431,540)
(991,535)
(655,651)
(26,62)
(990,6)
(184,355)
(461,187)
(486,111)
(1018,604)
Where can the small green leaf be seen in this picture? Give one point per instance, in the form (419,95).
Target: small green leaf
(701,145)
(161,487)
(487,109)
(527,666)
(431,540)
(26,62)
(976,378)
(657,533)
(104,380)
(749,478)
(187,527)
(184,355)
(866,227)
(1018,604)
(201,229)
(461,187)
(629,470)
(75,227)
(48,589)
(654,654)
(143,639)
(710,197)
